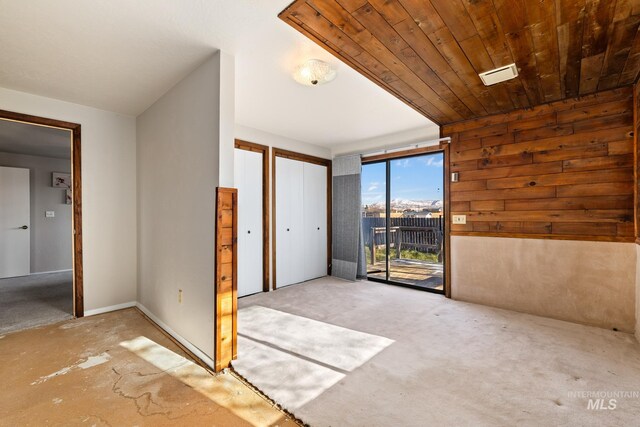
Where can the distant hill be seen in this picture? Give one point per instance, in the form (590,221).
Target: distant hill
(402,204)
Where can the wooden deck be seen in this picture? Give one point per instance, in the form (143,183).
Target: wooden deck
(416,273)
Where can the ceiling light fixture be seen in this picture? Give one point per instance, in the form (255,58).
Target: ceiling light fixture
(314,72)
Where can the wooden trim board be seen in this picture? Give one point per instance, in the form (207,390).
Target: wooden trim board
(266,213)
(76,178)
(447,221)
(403,153)
(226,277)
(278,152)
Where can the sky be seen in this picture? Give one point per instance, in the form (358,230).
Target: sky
(413,178)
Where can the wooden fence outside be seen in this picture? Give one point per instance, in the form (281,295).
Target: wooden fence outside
(422,234)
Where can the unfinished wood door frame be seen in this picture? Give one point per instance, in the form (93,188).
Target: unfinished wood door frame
(226,342)
(76,178)
(443,148)
(292,155)
(264,150)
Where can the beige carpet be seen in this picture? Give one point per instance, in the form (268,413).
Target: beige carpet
(38,299)
(410,358)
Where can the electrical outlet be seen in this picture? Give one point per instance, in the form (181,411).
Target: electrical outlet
(459,219)
(179,296)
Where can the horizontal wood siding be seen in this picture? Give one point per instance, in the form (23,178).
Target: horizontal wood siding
(562,170)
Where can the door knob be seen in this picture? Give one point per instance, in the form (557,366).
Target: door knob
(248,231)
(287,229)
(24,227)
(318,228)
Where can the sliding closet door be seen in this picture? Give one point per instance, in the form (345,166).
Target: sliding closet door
(289,222)
(248,181)
(315,221)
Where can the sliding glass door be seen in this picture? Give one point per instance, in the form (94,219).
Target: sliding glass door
(403,220)
(374,218)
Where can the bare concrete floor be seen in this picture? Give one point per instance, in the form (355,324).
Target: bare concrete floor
(368,354)
(117,369)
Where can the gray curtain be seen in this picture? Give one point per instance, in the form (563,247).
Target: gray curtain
(348,246)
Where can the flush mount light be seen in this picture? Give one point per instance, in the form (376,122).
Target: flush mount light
(314,72)
(499,75)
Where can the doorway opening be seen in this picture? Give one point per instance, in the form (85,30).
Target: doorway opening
(40,221)
(404,219)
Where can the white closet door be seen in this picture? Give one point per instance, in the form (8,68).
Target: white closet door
(248,181)
(315,217)
(289,222)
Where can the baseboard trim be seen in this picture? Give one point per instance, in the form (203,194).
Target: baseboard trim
(37,273)
(49,272)
(110,308)
(195,351)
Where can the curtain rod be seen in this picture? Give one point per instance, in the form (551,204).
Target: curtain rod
(405,147)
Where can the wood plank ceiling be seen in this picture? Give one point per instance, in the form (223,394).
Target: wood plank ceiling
(428,53)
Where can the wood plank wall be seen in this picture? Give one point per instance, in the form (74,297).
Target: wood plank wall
(226,308)
(563,170)
(429,53)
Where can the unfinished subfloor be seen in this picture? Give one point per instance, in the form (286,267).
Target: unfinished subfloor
(117,369)
(337,353)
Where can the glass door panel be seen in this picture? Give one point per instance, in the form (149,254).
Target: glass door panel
(403,220)
(374,218)
(416,221)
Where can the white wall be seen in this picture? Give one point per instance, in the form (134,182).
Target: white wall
(638,292)
(226,118)
(271,140)
(411,136)
(592,283)
(181,148)
(108,194)
(51,248)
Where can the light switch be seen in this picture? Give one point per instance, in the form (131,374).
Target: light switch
(50,214)
(459,219)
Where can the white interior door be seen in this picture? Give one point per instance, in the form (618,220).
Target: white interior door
(15,223)
(289,222)
(248,181)
(315,217)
